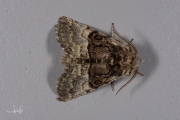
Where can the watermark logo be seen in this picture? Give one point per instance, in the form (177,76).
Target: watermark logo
(16,110)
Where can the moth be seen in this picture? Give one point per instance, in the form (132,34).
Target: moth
(92,59)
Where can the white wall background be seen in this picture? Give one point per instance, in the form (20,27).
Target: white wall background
(29,60)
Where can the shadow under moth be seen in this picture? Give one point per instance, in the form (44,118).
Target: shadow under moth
(92,59)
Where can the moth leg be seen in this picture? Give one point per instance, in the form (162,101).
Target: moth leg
(112,85)
(118,36)
(131,40)
(113,33)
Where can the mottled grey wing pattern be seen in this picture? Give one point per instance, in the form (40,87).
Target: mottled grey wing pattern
(74,81)
(73,84)
(69,34)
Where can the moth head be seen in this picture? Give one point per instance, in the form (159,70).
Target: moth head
(128,60)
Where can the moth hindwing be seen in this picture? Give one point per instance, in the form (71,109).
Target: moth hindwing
(92,59)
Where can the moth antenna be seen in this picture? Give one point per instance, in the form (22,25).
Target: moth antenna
(126,40)
(127,82)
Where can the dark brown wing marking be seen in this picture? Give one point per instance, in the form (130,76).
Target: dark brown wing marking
(101,54)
